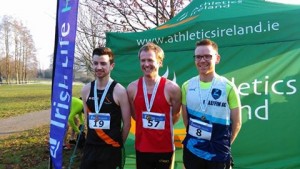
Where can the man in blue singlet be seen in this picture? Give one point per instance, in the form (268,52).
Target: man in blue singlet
(211,112)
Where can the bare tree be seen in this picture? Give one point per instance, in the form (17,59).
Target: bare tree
(99,16)
(17,40)
(89,36)
(138,15)
(28,54)
(6,33)
(18,49)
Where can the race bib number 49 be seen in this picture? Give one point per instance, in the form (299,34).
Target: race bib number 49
(200,129)
(99,120)
(152,120)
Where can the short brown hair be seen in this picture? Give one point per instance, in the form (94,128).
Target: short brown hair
(104,51)
(207,42)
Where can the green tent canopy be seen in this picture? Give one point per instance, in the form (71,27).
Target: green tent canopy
(259,44)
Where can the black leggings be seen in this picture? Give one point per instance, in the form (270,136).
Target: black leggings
(97,157)
(154,160)
(191,161)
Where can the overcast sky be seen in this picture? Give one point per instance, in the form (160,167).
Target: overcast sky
(39,17)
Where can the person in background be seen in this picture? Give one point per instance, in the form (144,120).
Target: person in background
(76,112)
(155,103)
(211,112)
(107,112)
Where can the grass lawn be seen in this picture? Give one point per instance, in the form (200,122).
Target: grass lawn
(30,149)
(20,99)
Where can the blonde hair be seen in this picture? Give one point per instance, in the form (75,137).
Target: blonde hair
(153,47)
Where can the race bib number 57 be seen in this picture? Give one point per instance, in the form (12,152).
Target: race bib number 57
(152,120)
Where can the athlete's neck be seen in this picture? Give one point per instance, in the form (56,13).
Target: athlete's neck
(151,80)
(207,77)
(102,82)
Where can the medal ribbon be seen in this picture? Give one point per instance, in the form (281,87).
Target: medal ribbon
(98,106)
(149,105)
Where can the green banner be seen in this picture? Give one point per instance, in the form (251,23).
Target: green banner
(259,44)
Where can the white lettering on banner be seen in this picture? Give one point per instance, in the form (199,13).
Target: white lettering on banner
(235,30)
(64,97)
(287,87)
(258,114)
(217,32)
(54,144)
(209,6)
(65,30)
(294,89)
(246,88)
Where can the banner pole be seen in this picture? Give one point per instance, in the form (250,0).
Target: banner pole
(50,165)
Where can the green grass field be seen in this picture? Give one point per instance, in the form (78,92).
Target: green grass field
(28,149)
(20,99)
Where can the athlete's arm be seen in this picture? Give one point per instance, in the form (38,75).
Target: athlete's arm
(85,91)
(184,115)
(174,93)
(131,91)
(120,94)
(236,123)
(235,113)
(183,101)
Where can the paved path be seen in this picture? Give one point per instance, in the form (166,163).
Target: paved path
(24,122)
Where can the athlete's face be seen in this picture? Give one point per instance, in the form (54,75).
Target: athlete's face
(102,66)
(205,59)
(149,63)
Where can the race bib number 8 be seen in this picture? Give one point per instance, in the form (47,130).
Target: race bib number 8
(200,129)
(153,120)
(99,120)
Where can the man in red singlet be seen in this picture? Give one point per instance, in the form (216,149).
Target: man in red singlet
(155,103)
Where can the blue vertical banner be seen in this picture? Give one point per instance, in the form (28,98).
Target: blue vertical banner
(66,25)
